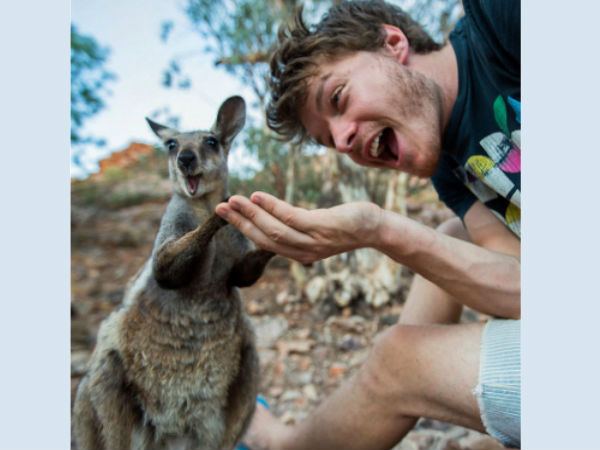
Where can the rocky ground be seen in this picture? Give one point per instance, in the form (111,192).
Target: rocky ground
(306,350)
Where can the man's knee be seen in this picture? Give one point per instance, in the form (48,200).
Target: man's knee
(455,228)
(390,373)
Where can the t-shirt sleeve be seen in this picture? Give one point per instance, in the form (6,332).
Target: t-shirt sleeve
(499,25)
(450,189)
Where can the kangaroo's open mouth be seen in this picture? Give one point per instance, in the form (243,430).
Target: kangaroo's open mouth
(192,183)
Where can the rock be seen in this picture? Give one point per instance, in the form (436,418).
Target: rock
(300,378)
(303,333)
(301,346)
(80,335)
(123,159)
(342,298)
(452,444)
(418,441)
(336,369)
(380,298)
(350,343)
(300,403)
(279,369)
(79,360)
(359,357)
(288,418)
(305,364)
(320,353)
(269,330)
(256,308)
(275,391)
(391,319)
(433,425)
(290,395)
(315,289)
(482,442)
(310,392)
(285,297)
(266,355)
(355,324)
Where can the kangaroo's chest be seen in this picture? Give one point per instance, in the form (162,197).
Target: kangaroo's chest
(181,381)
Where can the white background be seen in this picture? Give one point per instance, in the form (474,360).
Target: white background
(560,226)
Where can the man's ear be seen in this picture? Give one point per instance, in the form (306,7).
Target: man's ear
(396,43)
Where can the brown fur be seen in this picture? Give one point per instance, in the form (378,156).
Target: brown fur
(175,367)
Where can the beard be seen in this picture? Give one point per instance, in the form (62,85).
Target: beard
(418,101)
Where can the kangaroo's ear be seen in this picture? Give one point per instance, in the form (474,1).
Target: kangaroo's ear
(160,130)
(230,119)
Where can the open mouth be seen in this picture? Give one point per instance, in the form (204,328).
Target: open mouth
(192,183)
(384,146)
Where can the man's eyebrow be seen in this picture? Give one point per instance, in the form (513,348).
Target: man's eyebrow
(319,96)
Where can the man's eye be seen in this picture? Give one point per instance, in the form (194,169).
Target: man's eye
(171,145)
(335,97)
(212,142)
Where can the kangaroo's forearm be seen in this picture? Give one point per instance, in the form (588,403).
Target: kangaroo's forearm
(177,260)
(250,268)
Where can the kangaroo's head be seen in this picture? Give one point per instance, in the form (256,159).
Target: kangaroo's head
(198,159)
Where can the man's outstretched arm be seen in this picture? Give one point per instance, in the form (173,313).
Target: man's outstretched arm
(484,275)
(486,280)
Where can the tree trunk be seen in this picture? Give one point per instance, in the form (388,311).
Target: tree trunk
(291,174)
(363,274)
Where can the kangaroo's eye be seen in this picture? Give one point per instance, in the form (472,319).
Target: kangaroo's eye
(211,142)
(171,145)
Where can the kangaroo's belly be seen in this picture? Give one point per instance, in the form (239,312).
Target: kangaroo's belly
(182,383)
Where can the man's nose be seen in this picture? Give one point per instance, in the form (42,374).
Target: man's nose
(344,135)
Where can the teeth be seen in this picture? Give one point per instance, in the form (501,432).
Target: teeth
(375,151)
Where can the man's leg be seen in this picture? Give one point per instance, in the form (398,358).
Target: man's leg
(425,304)
(412,371)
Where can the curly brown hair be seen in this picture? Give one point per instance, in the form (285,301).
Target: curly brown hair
(346,28)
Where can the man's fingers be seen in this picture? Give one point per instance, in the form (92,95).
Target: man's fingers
(271,226)
(259,238)
(296,218)
(243,224)
(261,227)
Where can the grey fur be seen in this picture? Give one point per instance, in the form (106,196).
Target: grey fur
(175,367)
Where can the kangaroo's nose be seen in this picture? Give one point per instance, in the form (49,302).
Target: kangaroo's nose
(186,159)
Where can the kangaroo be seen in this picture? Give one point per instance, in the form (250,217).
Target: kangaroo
(175,367)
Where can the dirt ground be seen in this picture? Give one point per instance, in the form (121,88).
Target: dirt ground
(306,350)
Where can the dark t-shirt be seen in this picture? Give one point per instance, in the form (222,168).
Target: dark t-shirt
(481,146)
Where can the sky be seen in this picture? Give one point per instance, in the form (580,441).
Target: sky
(131,30)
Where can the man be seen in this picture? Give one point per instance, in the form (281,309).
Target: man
(368,81)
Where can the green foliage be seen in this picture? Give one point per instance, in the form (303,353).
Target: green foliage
(88,83)
(125,198)
(115,174)
(308,180)
(239,35)
(86,192)
(438,17)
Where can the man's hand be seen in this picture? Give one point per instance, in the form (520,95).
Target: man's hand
(300,234)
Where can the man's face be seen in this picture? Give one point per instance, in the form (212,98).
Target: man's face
(378,111)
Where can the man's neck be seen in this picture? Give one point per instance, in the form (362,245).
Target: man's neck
(441,67)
